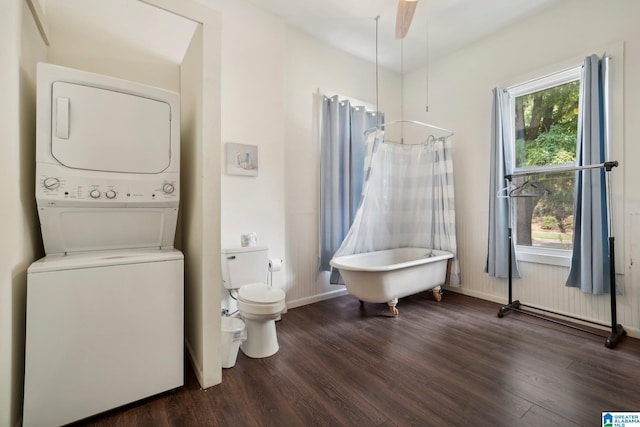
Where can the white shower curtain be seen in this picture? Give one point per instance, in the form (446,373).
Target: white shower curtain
(408,200)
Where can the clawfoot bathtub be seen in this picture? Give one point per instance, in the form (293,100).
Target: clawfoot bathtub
(385,276)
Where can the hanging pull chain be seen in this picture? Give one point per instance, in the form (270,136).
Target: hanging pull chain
(402,90)
(426,97)
(377,88)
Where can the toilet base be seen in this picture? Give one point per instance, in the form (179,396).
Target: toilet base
(262,340)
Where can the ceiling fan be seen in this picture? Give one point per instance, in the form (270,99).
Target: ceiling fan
(406,9)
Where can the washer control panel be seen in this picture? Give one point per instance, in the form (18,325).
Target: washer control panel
(54,189)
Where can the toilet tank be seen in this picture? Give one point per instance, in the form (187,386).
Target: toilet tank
(241,266)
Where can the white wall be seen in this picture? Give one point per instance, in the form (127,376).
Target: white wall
(253,58)
(312,66)
(191,202)
(10,27)
(270,73)
(21,47)
(200,121)
(76,46)
(460,99)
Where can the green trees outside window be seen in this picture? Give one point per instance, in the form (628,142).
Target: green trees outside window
(546,123)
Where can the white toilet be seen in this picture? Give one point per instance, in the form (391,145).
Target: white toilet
(245,269)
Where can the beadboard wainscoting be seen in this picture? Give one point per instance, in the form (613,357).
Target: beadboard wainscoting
(306,284)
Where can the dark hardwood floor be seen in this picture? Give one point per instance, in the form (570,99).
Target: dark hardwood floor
(448,363)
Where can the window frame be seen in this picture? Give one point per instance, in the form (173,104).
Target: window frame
(536,254)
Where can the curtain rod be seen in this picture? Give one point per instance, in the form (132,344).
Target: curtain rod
(557,169)
(382,126)
(605,56)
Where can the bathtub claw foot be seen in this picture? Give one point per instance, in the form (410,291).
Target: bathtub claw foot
(437,294)
(392,307)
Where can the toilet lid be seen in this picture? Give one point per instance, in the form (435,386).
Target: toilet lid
(260,293)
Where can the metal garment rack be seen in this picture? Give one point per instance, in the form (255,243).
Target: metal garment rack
(617,331)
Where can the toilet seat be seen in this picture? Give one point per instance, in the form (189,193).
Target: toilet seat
(260,293)
(260,299)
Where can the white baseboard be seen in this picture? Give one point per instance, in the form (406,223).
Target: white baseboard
(631,332)
(197,369)
(476,294)
(316,298)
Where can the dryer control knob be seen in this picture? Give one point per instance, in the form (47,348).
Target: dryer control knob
(110,194)
(168,188)
(95,194)
(51,183)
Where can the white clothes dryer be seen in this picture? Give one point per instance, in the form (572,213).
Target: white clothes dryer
(107,162)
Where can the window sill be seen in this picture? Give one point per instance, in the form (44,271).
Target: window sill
(559,257)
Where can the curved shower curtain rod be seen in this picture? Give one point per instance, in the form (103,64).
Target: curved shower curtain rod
(382,125)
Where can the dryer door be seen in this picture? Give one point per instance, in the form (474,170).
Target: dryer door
(104,130)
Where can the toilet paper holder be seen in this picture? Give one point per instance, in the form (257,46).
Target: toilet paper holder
(274,265)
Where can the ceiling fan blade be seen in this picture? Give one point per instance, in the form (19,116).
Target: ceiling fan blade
(406,10)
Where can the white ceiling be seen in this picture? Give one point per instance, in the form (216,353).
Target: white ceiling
(350,25)
(346,24)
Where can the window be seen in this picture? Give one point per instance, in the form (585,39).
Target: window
(544,115)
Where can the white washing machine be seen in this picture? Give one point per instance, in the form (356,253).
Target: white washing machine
(103,330)
(105,305)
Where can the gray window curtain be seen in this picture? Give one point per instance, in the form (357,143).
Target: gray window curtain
(502,162)
(590,267)
(342,155)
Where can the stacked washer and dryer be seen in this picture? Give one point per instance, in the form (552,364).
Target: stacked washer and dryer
(105,309)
